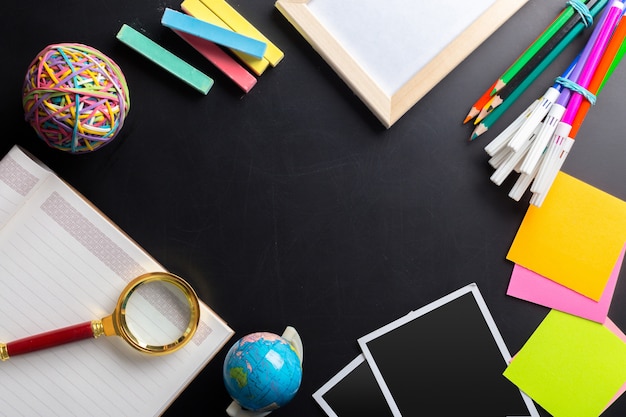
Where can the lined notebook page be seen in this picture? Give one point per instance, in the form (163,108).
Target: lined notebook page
(62,263)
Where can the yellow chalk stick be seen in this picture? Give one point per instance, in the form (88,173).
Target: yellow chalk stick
(198,10)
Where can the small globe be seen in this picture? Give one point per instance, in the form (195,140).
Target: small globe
(262,371)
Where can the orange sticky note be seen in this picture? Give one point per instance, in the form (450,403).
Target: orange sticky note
(574,238)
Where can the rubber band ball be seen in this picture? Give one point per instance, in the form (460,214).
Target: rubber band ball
(75,97)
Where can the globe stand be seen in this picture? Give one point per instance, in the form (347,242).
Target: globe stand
(291,335)
(235,410)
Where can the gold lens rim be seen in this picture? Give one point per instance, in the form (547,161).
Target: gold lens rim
(119,315)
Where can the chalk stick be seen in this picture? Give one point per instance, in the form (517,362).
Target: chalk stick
(239,24)
(165,59)
(221,60)
(198,10)
(210,32)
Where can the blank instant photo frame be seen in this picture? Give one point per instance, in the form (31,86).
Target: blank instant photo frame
(446,358)
(353,392)
(392,52)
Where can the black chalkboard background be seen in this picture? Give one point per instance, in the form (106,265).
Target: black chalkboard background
(292,204)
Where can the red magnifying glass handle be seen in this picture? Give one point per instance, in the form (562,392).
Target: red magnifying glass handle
(50,339)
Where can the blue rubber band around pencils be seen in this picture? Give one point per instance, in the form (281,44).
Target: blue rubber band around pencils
(567,83)
(583,11)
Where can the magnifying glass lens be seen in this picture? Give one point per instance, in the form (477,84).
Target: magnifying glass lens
(157,314)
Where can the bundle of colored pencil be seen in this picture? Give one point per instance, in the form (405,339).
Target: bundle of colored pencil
(538,141)
(532,62)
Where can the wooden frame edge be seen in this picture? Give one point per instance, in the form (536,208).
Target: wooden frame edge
(390,109)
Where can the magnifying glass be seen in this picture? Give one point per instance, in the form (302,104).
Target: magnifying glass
(157,313)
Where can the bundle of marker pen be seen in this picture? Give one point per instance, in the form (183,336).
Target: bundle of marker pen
(537,142)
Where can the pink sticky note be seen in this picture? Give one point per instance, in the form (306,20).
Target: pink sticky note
(613,327)
(530,286)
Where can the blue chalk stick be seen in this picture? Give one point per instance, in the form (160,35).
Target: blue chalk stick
(210,32)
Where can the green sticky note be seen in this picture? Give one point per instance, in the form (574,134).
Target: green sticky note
(570,366)
(165,59)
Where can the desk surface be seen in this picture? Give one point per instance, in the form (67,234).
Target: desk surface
(292,205)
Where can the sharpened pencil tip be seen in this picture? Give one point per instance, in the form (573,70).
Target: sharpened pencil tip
(498,86)
(483,113)
(472,113)
(479,130)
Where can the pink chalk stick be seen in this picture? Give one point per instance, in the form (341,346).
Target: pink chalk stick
(221,60)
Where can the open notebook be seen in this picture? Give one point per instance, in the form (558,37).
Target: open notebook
(62,262)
